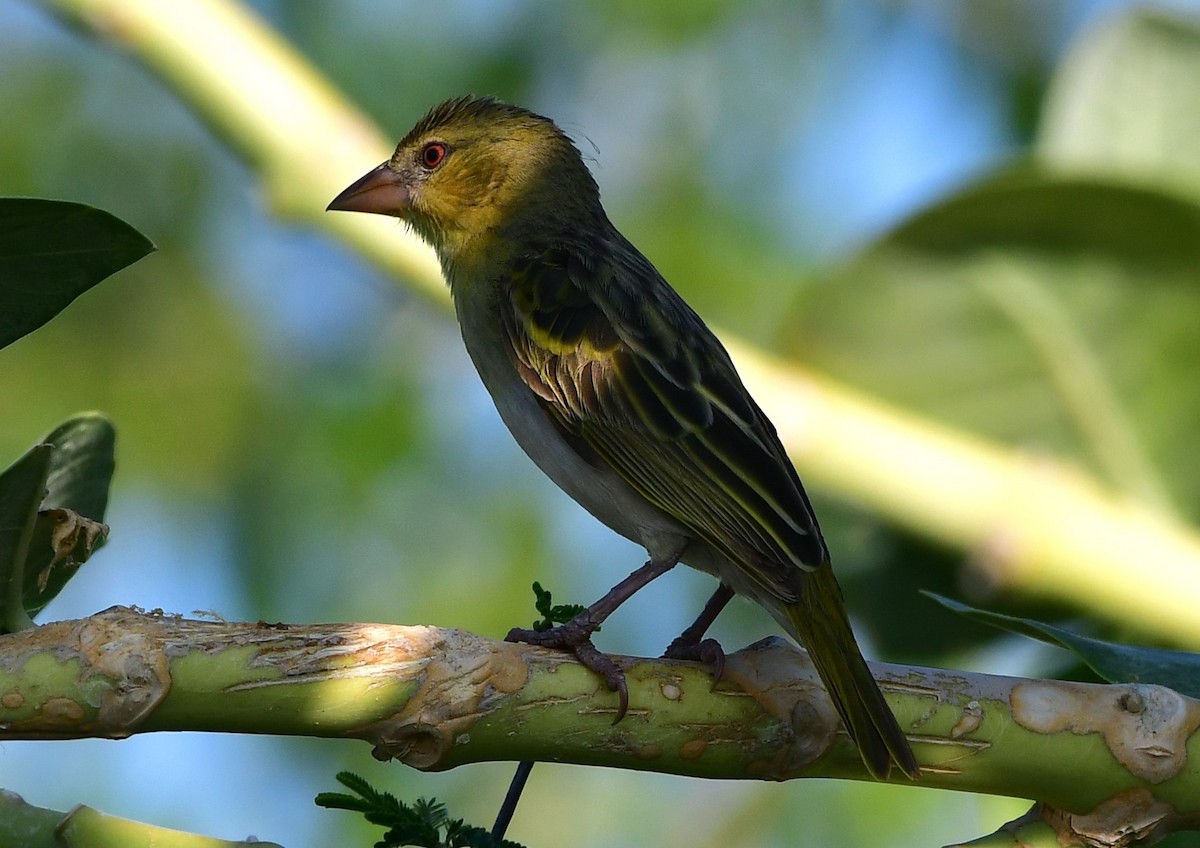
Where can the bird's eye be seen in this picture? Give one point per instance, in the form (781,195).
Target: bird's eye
(433,154)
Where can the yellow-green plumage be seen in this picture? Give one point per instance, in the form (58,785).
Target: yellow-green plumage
(613,385)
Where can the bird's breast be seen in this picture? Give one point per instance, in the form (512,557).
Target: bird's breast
(595,487)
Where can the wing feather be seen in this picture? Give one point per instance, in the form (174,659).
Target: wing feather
(625,368)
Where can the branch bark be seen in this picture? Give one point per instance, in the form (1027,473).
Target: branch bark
(436,699)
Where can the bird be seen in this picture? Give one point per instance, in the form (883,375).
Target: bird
(619,392)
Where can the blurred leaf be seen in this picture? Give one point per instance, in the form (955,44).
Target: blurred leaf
(1116,663)
(69,527)
(940,316)
(1055,303)
(22,487)
(51,252)
(1031,208)
(1125,101)
(669,20)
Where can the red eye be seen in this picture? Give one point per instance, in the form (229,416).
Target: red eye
(433,154)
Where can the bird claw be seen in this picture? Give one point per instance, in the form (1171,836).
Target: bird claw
(576,636)
(707,651)
(614,677)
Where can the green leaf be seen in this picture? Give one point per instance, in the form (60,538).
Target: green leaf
(552,614)
(52,504)
(341,801)
(1031,208)
(22,487)
(51,252)
(69,526)
(420,823)
(82,469)
(1038,309)
(1125,101)
(1116,663)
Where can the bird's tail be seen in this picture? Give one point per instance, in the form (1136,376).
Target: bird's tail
(819,621)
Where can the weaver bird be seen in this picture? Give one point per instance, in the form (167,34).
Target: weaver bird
(618,390)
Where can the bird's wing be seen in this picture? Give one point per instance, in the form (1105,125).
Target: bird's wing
(634,379)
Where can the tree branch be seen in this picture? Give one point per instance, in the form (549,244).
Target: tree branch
(28,826)
(435,699)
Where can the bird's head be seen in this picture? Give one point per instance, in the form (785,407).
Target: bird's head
(475,174)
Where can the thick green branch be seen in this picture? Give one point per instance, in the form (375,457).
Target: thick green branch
(436,699)
(22,824)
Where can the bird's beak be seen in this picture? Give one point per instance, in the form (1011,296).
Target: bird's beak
(381,192)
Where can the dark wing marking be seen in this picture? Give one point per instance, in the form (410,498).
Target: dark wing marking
(633,378)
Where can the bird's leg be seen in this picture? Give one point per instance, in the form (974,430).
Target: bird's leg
(691,644)
(576,635)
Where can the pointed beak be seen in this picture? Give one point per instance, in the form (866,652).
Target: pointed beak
(380,192)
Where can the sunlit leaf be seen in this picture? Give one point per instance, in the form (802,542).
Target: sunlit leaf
(1125,101)
(51,252)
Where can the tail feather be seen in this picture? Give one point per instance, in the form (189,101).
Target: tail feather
(819,621)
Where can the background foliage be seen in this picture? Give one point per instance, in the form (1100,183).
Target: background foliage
(299,440)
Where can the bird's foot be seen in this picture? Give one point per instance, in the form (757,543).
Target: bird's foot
(691,644)
(576,636)
(706,651)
